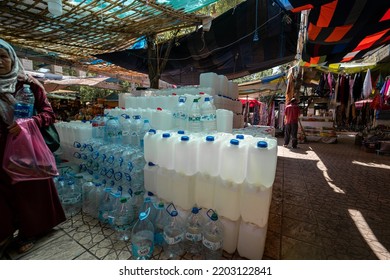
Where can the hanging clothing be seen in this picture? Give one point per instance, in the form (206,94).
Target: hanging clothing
(367,85)
(351,83)
(357,87)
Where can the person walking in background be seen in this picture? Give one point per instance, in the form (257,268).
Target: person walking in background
(29,208)
(291,115)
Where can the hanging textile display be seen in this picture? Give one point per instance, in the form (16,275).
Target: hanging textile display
(367,85)
(271,114)
(263,114)
(357,87)
(256,116)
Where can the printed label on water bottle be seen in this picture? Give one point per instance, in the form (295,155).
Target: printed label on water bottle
(209,117)
(193,236)
(141,251)
(23,110)
(173,240)
(212,245)
(194,118)
(182,115)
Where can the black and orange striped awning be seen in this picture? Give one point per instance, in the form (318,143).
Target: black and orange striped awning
(342,30)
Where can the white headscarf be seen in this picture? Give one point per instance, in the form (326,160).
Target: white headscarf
(8,83)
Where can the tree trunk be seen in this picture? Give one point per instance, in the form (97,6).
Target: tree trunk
(156,64)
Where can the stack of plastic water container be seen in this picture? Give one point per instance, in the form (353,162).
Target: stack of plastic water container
(226,95)
(70,132)
(232,174)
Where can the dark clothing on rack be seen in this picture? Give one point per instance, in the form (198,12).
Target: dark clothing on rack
(357,87)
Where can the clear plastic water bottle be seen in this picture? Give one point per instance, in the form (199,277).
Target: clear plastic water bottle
(194,227)
(106,205)
(173,235)
(213,232)
(124,219)
(148,204)
(194,117)
(60,186)
(145,129)
(113,131)
(126,129)
(159,224)
(180,114)
(136,128)
(115,197)
(87,190)
(142,237)
(98,126)
(71,199)
(209,116)
(24,106)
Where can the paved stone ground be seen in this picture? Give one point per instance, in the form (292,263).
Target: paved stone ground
(330,201)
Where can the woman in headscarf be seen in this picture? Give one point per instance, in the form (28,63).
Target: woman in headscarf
(32,208)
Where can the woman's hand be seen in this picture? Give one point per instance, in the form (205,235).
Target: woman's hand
(14,129)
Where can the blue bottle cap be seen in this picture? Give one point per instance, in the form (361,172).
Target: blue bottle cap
(210,138)
(207,99)
(166,135)
(151,163)
(174,213)
(262,144)
(181,132)
(234,142)
(152,131)
(150,194)
(214,217)
(185,138)
(240,136)
(143,215)
(195,210)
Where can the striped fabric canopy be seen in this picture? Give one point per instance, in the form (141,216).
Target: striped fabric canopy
(342,30)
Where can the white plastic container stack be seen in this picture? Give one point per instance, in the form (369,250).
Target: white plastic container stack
(209,152)
(208,167)
(255,202)
(227,199)
(185,165)
(256,192)
(231,230)
(223,85)
(186,154)
(150,145)
(165,151)
(204,190)
(164,183)
(183,190)
(150,174)
(251,241)
(262,158)
(210,80)
(233,161)
(232,90)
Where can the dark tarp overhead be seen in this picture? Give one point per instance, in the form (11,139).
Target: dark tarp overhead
(228,48)
(342,30)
